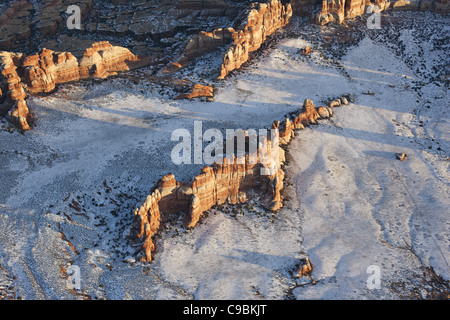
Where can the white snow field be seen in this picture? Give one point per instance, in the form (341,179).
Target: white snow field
(70,185)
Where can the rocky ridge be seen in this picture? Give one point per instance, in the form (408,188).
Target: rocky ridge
(247,30)
(225,181)
(43,71)
(339,10)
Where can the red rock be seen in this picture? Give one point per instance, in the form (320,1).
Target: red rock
(198,91)
(13,93)
(227,181)
(323,112)
(306,51)
(262,21)
(42,71)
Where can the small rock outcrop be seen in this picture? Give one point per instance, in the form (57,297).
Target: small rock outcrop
(198,91)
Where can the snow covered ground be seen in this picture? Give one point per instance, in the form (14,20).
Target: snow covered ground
(69,186)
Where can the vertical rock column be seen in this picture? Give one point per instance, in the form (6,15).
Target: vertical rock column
(12,94)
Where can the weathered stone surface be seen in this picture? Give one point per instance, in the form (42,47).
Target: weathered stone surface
(12,94)
(323,112)
(305,268)
(41,72)
(225,181)
(306,51)
(207,41)
(262,21)
(44,70)
(354,8)
(332,11)
(338,10)
(198,91)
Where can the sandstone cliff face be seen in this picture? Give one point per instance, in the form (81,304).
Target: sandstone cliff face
(208,41)
(220,183)
(226,181)
(338,10)
(24,18)
(43,71)
(262,21)
(12,94)
(25,21)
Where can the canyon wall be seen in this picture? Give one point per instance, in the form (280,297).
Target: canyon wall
(44,70)
(339,10)
(12,93)
(25,20)
(263,20)
(225,181)
(40,73)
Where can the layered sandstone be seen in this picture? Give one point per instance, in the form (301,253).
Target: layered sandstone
(263,20)
(40,73)
(43,71)
(12,94)
(226,181)
(199,44)
(333,10)
(24,20)
(338,10)
(198,91)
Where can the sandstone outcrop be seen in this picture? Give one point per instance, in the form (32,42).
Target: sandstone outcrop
(338,10)
(305,268)
(225,181)
(12,94)
(222,182)
(333,10)
(263,20)
(198,91)
(43,71)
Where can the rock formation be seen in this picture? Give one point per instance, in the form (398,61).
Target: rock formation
(43,71)
(224,181)
(338,10)
(200,44)
(263,20)
(12,94)
(198,91)
(24,18)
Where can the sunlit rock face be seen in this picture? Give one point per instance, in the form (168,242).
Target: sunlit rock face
(41,72)
(338,10)
(226,181)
